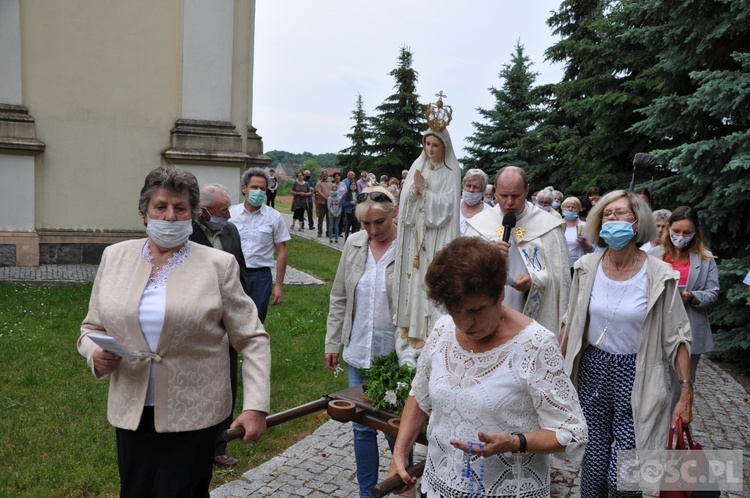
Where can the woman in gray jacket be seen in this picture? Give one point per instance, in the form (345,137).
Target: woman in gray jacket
(699,281)
(360,311)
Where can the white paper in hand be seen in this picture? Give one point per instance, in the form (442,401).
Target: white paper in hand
(112,345)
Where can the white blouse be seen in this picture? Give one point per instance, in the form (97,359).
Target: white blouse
(153,307)
(571,238)
(373,333)
(519,386)
(617,309)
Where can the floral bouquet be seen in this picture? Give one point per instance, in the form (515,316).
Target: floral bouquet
(387,384)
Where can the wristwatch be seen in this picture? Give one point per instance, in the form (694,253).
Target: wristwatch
(522,439)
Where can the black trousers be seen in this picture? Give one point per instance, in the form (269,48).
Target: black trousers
(167,464)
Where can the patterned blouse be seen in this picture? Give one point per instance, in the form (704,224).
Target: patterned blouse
(519,386)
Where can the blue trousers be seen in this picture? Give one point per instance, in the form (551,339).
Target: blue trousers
(605,382)
(366,447)
(260,282)
(335,231)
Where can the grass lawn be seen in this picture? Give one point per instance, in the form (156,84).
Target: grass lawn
(54,436)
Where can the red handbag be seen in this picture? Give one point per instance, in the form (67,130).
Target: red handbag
(683,433)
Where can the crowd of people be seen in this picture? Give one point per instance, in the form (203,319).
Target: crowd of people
(537,323)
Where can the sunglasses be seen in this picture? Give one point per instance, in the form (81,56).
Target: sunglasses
(375,196)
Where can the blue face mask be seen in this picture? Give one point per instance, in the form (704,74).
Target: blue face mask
(569,215)
(617,234)
(256,197)
(216,223)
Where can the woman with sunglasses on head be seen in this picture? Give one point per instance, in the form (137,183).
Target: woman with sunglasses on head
(360,311)
(624,326)
(428,220)
(683,248)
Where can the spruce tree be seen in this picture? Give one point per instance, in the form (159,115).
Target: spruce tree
(594,105)
(357,156)
(398,126)
(507,137)
(702,127)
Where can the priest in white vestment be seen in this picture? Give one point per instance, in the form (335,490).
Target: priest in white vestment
(538,263)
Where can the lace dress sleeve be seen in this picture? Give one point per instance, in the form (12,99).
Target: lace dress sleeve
(555,399)
(421,383)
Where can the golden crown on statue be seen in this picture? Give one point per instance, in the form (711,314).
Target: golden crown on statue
(438,116)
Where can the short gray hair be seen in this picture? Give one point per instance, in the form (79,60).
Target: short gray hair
(251,172)
(475,173)
(209,191)
(641,211)
(662,214)
(546,194)
(172,179)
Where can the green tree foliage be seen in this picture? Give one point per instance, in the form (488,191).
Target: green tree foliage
(701,125)
(606,78)
(508,136)
(357,156)
(313,166)
(398,125)
(327,160)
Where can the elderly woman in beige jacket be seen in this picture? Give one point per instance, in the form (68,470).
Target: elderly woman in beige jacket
(174,304)
(624,327)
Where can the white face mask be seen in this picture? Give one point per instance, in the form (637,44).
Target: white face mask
(472,198)
(680,241)
(556,204)
(169,234)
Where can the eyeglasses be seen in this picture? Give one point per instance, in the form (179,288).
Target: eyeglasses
(375,196)
(620,214)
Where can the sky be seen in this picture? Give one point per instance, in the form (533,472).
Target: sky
(312,58)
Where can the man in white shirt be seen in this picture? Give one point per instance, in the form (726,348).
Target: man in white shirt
(538,260)
(262,231)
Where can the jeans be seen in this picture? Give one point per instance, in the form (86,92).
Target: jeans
(334,232)
(260,282)
(366,447)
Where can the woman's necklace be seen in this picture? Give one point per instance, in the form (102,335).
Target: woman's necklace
(502,322)
(617,306)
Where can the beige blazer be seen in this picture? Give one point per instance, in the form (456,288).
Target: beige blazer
(665,327)
(206,306)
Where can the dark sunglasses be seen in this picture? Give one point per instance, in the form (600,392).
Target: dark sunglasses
(375,196)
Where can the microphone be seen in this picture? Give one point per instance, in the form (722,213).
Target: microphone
(509,222)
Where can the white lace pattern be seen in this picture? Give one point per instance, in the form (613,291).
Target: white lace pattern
(159,278)
(518,387)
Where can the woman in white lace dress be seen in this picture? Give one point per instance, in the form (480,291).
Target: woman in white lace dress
(490,383)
